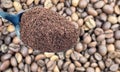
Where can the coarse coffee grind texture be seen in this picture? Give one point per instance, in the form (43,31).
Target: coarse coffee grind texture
(47,31)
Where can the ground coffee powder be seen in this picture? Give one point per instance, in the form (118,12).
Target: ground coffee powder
(47,31)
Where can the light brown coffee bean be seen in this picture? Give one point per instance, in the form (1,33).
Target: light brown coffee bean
(109,33)
(48,54)
(108,9)
(115,27)
(4,65)
(99,4)
(60,6)
(74,16)
(103,17)
(66,65)
(16,40)
(56,69)
(98,23)
(13,61)
(117,60)
(75,2)
(24,51)
(77,64)
(98,56)
(27,68)
(112,19)
(90,23)
(83,59)
(71,67)
(97,69)
(5,57)
(34,67)
(102,50)
(6,3)
(60,63)
(117,9)
(54,58)
(53,8)
(41,63)
(47,4)
(110,40)
(87,38)
(29,2)
(117,34)
(108,62)
(21,66)
(28,59)
(94,65)
(90,69)
(83,3)
(92,11)
(114,67)
(55,1)
(51,65)
(92,44)
(79,47)
(40,56)
(18,56)
(101,37)
(112,55)
(117,44)
(101,65)
(68,11)
(92,51)
(8,70)
(7,40)
(98,31)
(18,6)
(87,64)
(68,53)
(106,25)
(36,2)
(81,69)
(15,69)
(110,47)
(61,55)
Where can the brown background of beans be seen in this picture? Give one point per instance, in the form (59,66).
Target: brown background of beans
(98,49)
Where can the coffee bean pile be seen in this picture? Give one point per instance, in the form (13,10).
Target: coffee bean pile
(98,49)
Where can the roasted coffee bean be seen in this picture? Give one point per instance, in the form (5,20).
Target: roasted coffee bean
(98,56)
(117,44)
(83,59)
(99,4)
(90,69)
(108,9)
(13,61)
(34,67)
(106,26)
(92,51)
(109,33)
(98,31)
(102,50)
(117,34)
(101,65)
(4,65)
(114,67)
(24,51)
(5,57)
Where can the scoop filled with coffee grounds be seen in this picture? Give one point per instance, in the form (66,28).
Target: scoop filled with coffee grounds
(47,31)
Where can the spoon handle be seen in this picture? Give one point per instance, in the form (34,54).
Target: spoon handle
(14,19)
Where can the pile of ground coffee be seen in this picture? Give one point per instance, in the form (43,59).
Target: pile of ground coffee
(47,31)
